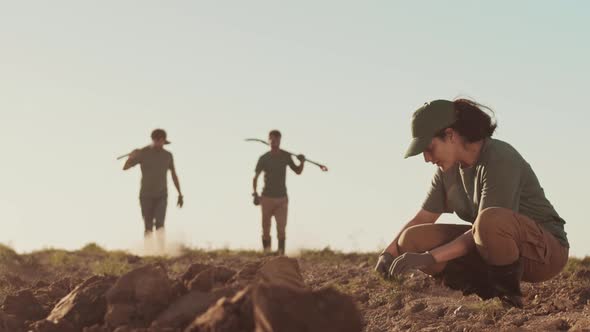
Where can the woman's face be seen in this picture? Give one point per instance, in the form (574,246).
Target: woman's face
(442,152)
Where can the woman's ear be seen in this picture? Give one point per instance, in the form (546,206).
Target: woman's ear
(450,134)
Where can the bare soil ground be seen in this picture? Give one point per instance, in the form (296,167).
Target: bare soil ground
(416,303)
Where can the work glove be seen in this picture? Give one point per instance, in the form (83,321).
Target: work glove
(301,158)
(384,263)
(256,199)
(410,260)
(180,202)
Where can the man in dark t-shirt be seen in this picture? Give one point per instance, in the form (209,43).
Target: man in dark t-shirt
(155,162)
(274,200)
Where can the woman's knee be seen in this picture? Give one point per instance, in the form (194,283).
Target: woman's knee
(409,240)
(489,221)
(425,237)
(494,236)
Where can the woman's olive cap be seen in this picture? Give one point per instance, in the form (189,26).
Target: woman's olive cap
(427,121)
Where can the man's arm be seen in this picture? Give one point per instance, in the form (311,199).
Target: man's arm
(172,168)
(257,171)
(132,160)
(176,182)
(255,182)
(297,169)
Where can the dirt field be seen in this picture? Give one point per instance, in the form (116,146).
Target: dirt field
(414,304)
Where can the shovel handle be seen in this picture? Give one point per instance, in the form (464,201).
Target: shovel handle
(324,168)
(128,154)
(123,156)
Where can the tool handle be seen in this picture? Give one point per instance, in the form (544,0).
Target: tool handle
(128,154)
(123,156)
(324,168)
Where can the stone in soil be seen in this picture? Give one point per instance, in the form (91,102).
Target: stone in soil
(24,306)
(210,278)
(138,297)
(417,307)
(278,300)
(180,313)
(282,302)
(557,325)
(49,326)
(85,305)
(227,315)
(9,323)
(279,308)
(193,270)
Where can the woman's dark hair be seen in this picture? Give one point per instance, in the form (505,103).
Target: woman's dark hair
(472,123)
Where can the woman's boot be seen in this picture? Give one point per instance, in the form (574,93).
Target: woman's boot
(506,281)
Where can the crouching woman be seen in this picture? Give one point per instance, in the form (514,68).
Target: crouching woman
(515,230)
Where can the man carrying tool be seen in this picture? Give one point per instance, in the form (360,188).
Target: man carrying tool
(155,162)
(274,199)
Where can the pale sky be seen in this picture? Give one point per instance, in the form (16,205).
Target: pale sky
(83,82)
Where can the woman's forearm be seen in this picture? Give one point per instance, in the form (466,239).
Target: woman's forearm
(457,248)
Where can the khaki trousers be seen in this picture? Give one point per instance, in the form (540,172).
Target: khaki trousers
(501,237)
(274,207)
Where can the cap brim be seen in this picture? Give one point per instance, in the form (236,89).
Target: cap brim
(167,142)
(417,146)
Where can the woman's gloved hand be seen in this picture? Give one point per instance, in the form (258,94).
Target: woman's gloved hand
(410,260)
(384,263)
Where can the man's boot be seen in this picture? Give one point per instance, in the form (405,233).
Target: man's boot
(266,245)
(148,242)
(160,236)
(506,281)
(281,247)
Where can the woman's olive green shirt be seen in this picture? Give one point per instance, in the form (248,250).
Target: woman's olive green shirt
(500,178)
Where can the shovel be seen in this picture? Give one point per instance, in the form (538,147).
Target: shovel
(322,167)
